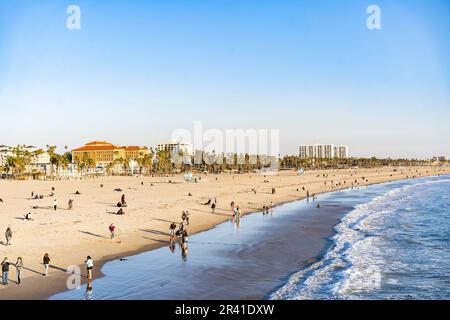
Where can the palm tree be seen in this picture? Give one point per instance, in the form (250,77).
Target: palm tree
(53,158)
(90,163)
(63,162)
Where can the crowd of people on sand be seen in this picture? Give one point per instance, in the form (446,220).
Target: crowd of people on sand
(5,270)
(181,234)
(267,208)
(212,203)
(176,232)
(19,265)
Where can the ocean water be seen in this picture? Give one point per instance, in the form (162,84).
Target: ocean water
(385,241)
(395,246)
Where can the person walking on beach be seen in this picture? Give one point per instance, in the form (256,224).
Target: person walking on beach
(213,207)
(5,271)
(181,227)
(172,228)
(237,214)
(70,204)
(180,230)
(112,228)
(89,265)
(46,263)
(19,267)
(8,235)
(187,217)
(184,237)
(55,204)
(307,196)
(183,216)
(122,200)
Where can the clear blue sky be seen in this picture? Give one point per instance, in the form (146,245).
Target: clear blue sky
(137,70)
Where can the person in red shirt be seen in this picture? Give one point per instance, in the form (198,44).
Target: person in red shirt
(112,227)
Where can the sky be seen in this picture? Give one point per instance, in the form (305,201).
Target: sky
(138,70)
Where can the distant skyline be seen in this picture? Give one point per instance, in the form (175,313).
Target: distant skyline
(138,70)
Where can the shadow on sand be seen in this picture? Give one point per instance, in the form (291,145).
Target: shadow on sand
(155,232)
(93,234)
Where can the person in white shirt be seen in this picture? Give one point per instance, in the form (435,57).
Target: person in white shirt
(89,265)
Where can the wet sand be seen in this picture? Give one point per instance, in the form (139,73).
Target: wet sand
(227,262)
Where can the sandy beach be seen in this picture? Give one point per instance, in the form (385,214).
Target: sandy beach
(153,203)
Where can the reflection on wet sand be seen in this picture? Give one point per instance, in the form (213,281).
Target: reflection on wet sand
(89,291)
(184,250)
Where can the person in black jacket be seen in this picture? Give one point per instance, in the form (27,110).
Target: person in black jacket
(46,263)
(5,271)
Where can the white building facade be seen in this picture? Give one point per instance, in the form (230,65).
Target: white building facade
(5,152)
(176,148)
(324,151)
(41,158)
(341,152)
(37,158)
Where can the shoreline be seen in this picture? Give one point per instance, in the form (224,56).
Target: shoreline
(220,253)
(40,289)
(265,295)
(346,269)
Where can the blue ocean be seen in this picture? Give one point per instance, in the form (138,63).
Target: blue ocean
(396,246)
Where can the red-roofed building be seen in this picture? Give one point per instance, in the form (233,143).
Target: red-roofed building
(104,153)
